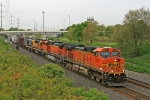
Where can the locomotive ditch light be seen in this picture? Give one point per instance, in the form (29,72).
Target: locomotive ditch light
(115,59)
(101,69)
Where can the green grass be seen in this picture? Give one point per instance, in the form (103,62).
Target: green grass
(95,43)
(139,64)
(2,39)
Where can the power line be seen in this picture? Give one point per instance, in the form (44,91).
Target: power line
(43,20)
(18,22)
(6,13)
(11,21)
(64,24)
(1,15)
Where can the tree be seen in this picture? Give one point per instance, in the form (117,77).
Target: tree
(78,32)
(91,31)
(137,22)
(119,34)
(101,29)
(109,30)
(21,30)
(85,36)
(61,29)
(1,29)
(70,34)
(13,29)
(134,32)
(38,36)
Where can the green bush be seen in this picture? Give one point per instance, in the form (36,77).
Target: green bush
(91,94)
(52,71)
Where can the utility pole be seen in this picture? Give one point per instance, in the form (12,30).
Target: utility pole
(18,22)
(43,20)
(33,25)
(36,26)
(11,16)
(58,28)
(1,16)
(64,24)
(1,4)
(69,20)
(43,25)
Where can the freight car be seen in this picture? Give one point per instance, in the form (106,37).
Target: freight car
(14,38)
(103,64)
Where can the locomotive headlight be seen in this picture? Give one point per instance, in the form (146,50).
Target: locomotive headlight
(101,68)
(114,59)
(112,71)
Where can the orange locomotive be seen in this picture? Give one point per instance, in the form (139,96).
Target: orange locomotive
(103,64)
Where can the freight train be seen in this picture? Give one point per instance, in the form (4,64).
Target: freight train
(103,64)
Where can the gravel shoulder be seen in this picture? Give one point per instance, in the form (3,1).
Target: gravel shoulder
(138,76)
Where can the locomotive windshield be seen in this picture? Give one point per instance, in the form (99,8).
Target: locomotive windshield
(105,54)
(115,53)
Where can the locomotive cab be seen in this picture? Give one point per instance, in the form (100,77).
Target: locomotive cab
(111,66)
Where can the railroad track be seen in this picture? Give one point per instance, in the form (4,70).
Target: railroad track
(134,95)
(139,83)
(131,93)
(125,91)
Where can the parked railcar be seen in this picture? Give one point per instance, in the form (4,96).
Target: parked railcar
(20,40)
(14,39)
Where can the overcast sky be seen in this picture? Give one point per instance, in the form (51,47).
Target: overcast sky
(107,12)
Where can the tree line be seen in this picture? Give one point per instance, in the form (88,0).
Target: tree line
(87,31)
(131,36)
(14,29)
